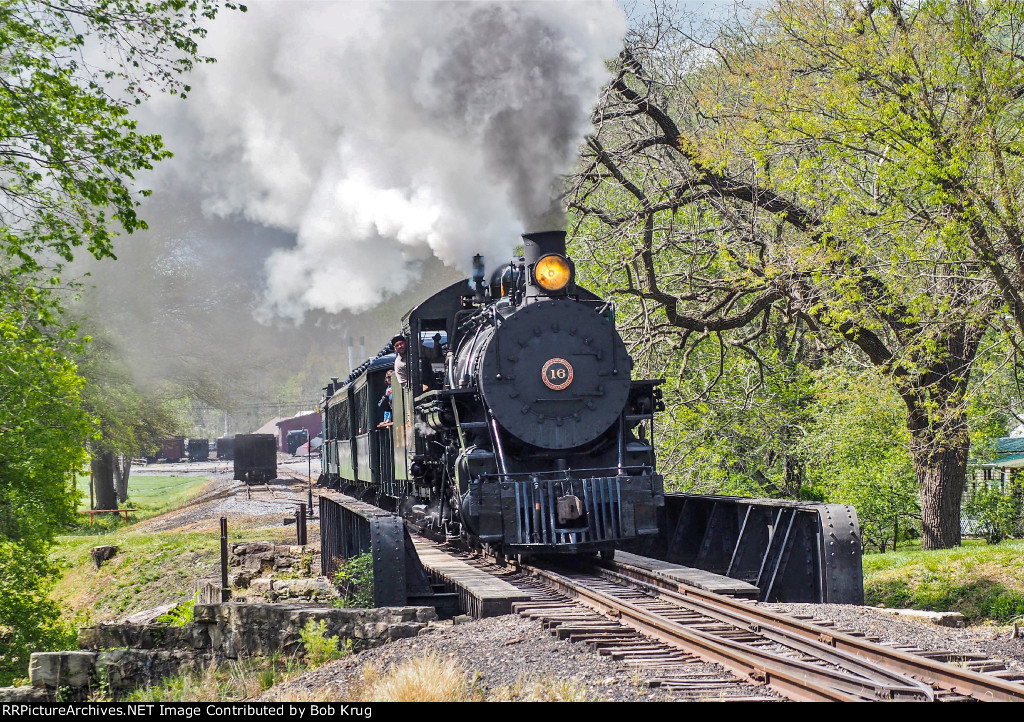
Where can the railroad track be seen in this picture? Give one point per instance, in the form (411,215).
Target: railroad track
(707,646)
(672,633)
(951,674)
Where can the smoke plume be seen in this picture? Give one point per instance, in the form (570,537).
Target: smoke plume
(381,135)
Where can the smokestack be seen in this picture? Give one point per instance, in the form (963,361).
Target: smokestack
(351,355)
(537,245)
(362,348)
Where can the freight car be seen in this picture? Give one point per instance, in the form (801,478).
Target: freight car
(517,426)
(295,439)
(172,449)
(198,449)
(255,458)
(225,448)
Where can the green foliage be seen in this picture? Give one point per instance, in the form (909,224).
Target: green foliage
(69,153)
(996,515)
(981,581)
(856,453)
(133,421)
(179,615)
(320,648)
(43,430)
(734,418)
(845,172)
(354,580)
(70,149)
(29,620)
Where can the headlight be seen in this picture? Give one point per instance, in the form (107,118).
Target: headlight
(553,272)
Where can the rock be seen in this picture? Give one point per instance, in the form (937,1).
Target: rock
(23,695)
(148,615)
(942,619)
(52,670)
(240,580)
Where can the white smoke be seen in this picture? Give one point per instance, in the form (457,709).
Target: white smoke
(383,133)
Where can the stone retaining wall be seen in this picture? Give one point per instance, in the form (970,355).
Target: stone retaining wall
(251,560)
(119,658)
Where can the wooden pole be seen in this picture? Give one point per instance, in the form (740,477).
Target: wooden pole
(224,591)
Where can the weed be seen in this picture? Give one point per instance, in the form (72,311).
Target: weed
(354,580)
(181,614)
(424,679)
(225,682)
(557,690)
(320,648)
(101,693)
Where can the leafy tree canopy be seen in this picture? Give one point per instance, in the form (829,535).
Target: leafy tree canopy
(70,72)
(69,150)
(42,434)
(849,168)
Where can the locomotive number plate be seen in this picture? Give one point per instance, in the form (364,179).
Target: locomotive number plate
(556,374)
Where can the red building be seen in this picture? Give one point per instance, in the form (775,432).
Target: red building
(280,427)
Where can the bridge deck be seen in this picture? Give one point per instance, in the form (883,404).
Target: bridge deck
(480,593)
(695,577)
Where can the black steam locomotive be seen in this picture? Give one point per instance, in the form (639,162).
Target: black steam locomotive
(520,428)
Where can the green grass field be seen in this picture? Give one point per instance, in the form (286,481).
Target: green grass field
(150,494)
(984,582)
(152,567)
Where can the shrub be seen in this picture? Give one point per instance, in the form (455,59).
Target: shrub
(320,648)
(354,580)
(995,514)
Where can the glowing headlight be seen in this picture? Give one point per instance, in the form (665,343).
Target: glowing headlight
(553,272)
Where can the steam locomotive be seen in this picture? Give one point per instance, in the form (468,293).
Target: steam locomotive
(520,427)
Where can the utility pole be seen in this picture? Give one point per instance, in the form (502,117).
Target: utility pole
(309,471)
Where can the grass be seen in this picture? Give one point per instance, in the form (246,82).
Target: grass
(432,678)
(423,679)
(224,682)
(984,582)
(151,568)
(151,494)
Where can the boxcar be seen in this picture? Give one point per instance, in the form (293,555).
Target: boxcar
(255,457)
(225,448)
(198,449)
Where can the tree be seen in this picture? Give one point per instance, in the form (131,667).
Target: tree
(43,431)
(132,421)
(70,72)
(796,165)
(857,452)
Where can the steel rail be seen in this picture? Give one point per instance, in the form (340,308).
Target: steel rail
(943,676)
(796,679)
(893,684)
